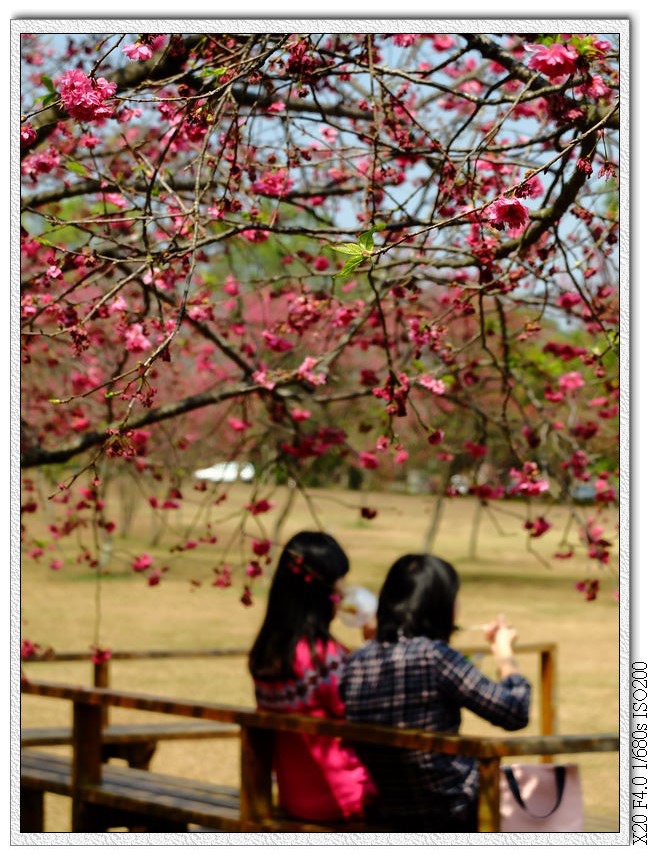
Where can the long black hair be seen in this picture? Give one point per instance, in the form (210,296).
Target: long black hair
(300,603)
(417,599)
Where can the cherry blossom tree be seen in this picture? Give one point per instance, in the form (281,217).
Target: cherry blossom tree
(333,255)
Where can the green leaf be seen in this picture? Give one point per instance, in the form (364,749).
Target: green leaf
(366,241)
(77,167)
(350,266)
(349,249)
(47,81)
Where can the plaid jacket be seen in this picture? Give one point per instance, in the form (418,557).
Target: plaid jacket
(424,683)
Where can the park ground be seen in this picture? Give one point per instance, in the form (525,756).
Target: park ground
(70,609)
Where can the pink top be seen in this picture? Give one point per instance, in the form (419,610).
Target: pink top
(319,778)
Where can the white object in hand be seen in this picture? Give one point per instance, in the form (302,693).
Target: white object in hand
(358,606)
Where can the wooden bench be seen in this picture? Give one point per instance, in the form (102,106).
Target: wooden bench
(106,796)
(135,743)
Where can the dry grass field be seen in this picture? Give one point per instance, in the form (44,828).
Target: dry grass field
(70,609)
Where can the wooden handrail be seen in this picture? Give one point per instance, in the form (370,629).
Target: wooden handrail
(101,676)
(138,654)
(256,736)
(468,746)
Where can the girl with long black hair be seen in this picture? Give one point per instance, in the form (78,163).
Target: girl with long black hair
(296,666)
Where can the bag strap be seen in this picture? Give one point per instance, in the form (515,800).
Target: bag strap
(560,777)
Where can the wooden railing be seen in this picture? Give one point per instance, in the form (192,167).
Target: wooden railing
(256,734)
(101,668)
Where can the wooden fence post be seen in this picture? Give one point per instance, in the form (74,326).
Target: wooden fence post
(256,796)
(101,679)
(86,762)
(548,677)
(489,794)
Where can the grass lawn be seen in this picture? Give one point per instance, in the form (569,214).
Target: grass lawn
(71,609)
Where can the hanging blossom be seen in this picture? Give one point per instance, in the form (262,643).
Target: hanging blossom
(435,385)
(507,211)
(142,562)
(571,381)
(85,98)
(305,371)
(138,51)
(405,40)
(135,338)
(527,481)
(538,527)
(27,134)
(276,183)
(554,60)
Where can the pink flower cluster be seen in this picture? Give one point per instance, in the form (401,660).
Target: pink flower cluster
(135,338)
(527,481)
(85,98)
(138,51)
(554,60)
(275,183)
(537,527)
(507,211)
(142,562)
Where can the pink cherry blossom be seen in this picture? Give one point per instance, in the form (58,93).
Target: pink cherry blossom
(260,377)
(321,262)
(40,163)
(237,424)
(100,655)
(89,141)
(594,89)
(436,437)
(223,578)
(305,371)
(537,527)
(27,134)
(568,299)
(138,51)
(255,235)
(527,480)
(368,460)
(475,450)
(554,60)
(259,507)
(135,339)
(261,547)
(231,286)
(142,562)
(435,385)
(275,342)
(507,211)
(443,41)
(28,649)
(405,40)
(276,183)
(118,305)
(571,381)
(85,98)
